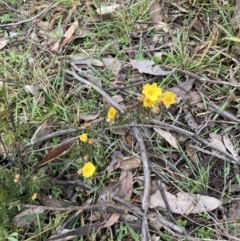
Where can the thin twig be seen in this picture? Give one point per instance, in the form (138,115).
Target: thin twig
(97,88)
(190,134)
(196,137)
(169,211)
(26,20)
(147,181)
(210,153)
(94,207)
(54,134)
(202,79)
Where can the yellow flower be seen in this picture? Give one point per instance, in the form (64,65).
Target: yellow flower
(17,178)
(83,137)
(148,103)
(152,92)
(88,169)
(111,114)
(34,196)
(169,98)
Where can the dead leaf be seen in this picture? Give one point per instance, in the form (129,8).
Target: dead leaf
(48,201)
(27,216)
(54,154)
(43,130)
(228,144)
(89,117)
(66,37)
(112,165)
(147,67)
(128,163)
(191,121)
(168,137)
(125,189)
(216,141)
(3,43)
(156,11)
(45,25)
(107,9)
(156,15)
(183,88)
(181,202)
(117,98)
(194,98)
(32,89)
(114,65)
(191,154)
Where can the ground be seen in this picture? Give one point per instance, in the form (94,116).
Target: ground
(119,120)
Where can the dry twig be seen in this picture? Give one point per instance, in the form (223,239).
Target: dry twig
(5,25)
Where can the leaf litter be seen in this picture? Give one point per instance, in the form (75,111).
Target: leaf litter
(177,158)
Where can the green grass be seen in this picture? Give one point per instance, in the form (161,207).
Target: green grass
(27,60)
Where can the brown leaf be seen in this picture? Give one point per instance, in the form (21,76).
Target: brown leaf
(228,144)
(216,141)
(112,165)
(66,37)
(126,185)
(3,43)
(191,154)
(183,88)
(48,201)
(168,137)
(43,130)
(124,190)
(128,163)
(156,13)
(54,154)
(113,64)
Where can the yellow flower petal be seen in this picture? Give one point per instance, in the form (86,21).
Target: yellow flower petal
(152,91)
(169,98)
(34,196)
(148,103)
(88,169)
(111,113)
(83,137)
